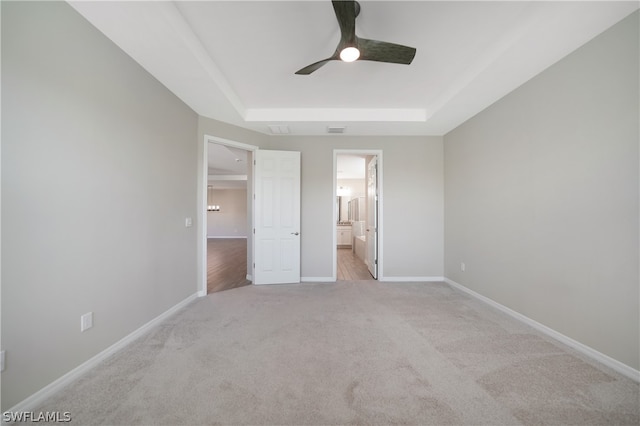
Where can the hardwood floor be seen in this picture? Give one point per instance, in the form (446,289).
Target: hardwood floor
(350,267)
(226,264)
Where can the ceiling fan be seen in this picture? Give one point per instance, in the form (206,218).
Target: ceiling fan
(352,48)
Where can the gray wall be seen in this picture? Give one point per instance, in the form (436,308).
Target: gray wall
(413,201)
(541,197)
(413,196)
(98,175)
(231,220)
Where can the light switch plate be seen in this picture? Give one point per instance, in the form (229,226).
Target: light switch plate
(188,222)
(86,321)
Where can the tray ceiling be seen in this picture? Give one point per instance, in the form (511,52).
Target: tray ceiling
(234,61)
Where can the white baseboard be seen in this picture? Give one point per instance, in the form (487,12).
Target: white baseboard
(32,402)
(385,279)
(411,279)
(614,364)
(250,277)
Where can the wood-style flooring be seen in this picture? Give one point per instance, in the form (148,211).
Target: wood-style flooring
(226,264)
(350,267)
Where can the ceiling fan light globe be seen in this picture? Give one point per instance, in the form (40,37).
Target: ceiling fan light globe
(349,54)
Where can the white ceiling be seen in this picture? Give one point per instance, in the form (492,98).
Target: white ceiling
(350,166)
(234,61)
(226,160)
(227,165)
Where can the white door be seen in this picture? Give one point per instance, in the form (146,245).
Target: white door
(372,217)
(277,217)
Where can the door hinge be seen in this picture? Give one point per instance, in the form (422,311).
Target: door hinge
(375,262)
(254,265)
(254,162)
(254,230)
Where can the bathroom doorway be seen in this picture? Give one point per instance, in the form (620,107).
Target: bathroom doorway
(357,184)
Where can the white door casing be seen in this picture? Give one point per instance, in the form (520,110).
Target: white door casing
(277,217)
(372,217)
(202,211)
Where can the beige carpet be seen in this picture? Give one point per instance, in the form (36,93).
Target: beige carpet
(347,353)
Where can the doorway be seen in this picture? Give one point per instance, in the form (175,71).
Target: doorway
(226,215)
(357,214)
(281,167)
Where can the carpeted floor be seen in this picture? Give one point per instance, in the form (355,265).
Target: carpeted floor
(347,353)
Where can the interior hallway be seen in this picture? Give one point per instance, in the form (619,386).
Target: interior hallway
(226,264)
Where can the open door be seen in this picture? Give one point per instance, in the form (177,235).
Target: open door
(372,217)
(277,217)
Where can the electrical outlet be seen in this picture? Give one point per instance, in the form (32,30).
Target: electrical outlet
(1,360)
(463,267)
(188,222)
(86,321)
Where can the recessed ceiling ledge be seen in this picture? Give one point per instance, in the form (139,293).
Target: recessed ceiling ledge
(336,114)
(226,177)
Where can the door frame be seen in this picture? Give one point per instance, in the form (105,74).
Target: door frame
(334,248)
(203,181)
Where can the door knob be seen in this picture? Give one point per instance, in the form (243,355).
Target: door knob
(295,233)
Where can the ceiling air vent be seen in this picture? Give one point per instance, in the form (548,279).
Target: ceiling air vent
(279,129)
(335,129)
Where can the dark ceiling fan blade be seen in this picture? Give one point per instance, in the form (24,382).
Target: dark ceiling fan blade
(381,51)
(346,15)
(311,68)
(350,45)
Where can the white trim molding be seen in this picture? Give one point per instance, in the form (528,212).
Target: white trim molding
(614,364)
(33,401)
(226,177)
(418,115)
